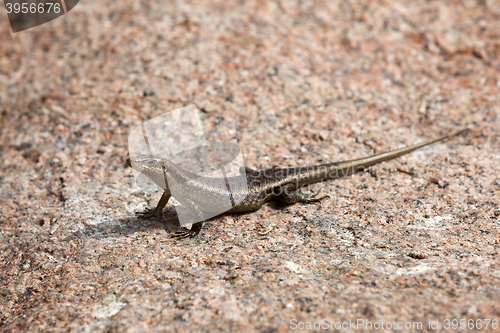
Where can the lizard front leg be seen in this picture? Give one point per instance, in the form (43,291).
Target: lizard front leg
(195,210)
(297,196)
(157,211)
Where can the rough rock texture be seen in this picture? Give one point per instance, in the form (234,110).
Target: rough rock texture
(294,83)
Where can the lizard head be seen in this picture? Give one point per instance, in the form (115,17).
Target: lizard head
(153,167)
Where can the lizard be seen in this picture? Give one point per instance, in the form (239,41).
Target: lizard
(200,194)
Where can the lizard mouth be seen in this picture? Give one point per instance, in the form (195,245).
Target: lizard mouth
(128,162)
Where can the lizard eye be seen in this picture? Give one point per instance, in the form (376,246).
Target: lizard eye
(150,163)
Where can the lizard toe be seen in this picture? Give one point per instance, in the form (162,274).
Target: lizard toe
(148,213)
(183,233)
(310,196)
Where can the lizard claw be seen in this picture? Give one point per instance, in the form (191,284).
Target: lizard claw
(148,213)
(183,233)
(312,197)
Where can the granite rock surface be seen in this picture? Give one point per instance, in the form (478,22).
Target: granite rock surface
(415,241)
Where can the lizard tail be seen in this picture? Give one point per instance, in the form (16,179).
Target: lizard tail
(308,175)
(362,163)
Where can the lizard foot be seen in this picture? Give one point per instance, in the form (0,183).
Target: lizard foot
(311,197)
(297,196)
(148,213)
(184,233)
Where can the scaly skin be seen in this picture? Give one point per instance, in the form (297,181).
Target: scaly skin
(247,192)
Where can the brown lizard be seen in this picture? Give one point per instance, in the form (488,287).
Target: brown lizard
(200,194)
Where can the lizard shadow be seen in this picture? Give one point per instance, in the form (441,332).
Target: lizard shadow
(129,225)
(168,221)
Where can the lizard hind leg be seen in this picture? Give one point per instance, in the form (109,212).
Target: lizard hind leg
(297,196)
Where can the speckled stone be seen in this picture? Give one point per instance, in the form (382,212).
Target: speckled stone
(293,83)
